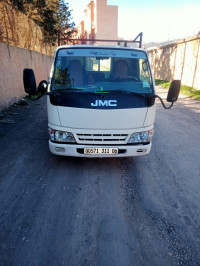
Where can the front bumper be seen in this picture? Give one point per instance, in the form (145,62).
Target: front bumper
(75,150)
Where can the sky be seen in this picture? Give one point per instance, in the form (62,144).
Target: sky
(158,20)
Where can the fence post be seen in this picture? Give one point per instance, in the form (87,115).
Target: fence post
(175,60)
(183,61)
(197,57)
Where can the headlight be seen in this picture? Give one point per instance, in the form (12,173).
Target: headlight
(61,136)
(144,136)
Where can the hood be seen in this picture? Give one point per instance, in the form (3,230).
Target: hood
(101,119)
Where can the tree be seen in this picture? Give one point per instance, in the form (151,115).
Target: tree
(50,15)
(18,3)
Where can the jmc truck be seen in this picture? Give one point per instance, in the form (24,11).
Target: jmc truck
(100,101)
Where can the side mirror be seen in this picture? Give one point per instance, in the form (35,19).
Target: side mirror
(42,86)
(174,91)
(30,85)
(29,81)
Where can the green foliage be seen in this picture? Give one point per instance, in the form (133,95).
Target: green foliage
(64,16)
(162,83)
(50,15)
(186,90)
(191,92)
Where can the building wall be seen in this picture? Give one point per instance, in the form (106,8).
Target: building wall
(13,61)
(89,30)
(106,20)
(180,60)
(100,22)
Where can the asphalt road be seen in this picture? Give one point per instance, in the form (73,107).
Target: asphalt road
(119,211)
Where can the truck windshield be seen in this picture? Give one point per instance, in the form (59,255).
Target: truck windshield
(96,70)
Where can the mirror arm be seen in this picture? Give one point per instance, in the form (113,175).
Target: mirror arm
(35,98)
(156,96)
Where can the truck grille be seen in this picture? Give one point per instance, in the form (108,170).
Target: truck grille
(102,138)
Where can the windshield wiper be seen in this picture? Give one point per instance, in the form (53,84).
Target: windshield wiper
(73,90)
(100,93)
(131,92)
(54,92)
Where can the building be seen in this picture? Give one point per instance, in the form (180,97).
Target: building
(100,22)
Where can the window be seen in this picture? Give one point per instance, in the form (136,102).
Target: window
(98,64)
(92,70)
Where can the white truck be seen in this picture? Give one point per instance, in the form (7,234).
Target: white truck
(100,101)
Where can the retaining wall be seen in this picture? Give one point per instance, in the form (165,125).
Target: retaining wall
(12,62)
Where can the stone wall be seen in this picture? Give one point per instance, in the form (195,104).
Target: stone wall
(13,61)
(180,60)
(18,30)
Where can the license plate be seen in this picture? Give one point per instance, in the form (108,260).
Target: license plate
(100,150)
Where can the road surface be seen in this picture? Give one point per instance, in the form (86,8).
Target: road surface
(118,211)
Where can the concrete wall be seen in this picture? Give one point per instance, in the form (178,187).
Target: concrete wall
(13,61)
(180,60)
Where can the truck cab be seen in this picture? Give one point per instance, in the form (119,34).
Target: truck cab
(100,101)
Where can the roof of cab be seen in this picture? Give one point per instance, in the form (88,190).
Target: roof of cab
(98,47)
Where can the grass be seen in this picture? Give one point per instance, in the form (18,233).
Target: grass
(186,90)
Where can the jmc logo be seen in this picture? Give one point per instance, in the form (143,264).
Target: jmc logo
(104,103)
